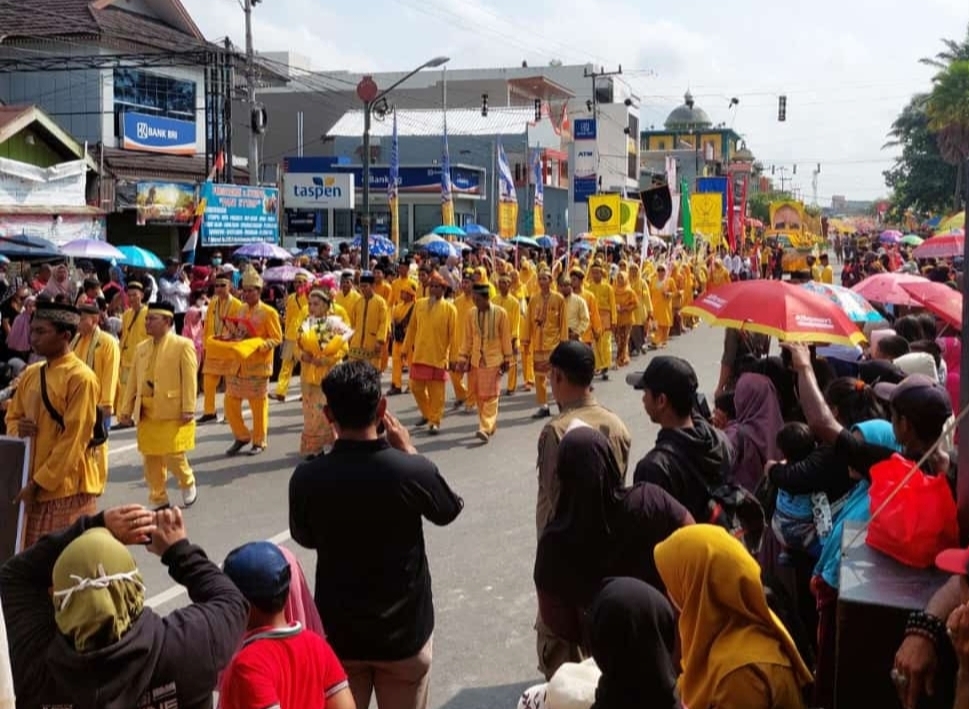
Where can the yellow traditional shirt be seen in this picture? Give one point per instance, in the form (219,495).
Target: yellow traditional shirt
(431,332)
(487,338)
(595,317)
(133,333)
(314,339)
(577,315)
(626,305)
(513,308)
(101,352)
(264,321)
(827,274)
(605,302)
(347,300)
(545,322)
(370,320)
(462,306)
(61,462)
(297,306)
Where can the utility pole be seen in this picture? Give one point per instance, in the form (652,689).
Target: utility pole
(594,75)
(784,178)
(256,117)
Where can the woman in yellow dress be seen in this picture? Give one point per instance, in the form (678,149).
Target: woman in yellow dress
(642,314)
(626,306)
(661,292)
(322,343)
(720,275)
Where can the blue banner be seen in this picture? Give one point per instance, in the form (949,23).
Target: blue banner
(584,129)
(713,184)
(465,181)
(239,214)
(157,134)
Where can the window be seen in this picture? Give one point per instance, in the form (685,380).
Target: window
(145,92)
(661,145)
(343,223)
(632,167)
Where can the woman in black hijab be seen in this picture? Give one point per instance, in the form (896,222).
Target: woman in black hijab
(600,530)
(632,633)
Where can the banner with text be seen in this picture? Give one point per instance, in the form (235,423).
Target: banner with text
(239,214)
(26,185)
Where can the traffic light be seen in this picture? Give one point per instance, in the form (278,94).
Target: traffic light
(484,104)
(782,108)
(795,168)
(538,109)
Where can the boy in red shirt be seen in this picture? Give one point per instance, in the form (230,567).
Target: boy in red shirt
(279,665)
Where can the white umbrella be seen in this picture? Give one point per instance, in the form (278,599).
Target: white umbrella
(428,239)
(92,248)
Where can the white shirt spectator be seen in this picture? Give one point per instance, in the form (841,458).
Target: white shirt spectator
(176,291)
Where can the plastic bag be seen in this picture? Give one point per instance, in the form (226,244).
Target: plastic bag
(919,522)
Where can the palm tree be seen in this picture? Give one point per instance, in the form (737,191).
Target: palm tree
(954,52)
(948,111)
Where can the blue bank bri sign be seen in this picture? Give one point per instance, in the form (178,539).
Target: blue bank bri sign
(157,134)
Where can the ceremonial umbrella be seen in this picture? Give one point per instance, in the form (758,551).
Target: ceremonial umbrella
(778,309)
(939,299)
(137,257)
(941,246)
(92,248)
(379,245)
(285,274)
(854,305)
(887,288)
(263,249)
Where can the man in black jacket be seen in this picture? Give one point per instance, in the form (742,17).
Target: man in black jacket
(690,457)
(91,643)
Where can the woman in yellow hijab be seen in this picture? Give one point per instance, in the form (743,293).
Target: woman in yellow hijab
(626,305)
(736,652)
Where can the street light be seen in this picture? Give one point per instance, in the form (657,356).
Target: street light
(368,92)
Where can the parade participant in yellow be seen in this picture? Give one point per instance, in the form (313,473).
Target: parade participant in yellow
(382,288)
(545,326)
(576,310)
(321,341)
(480,276)
(606,305)
(347,295)
(400,318)
(520,293)
(258,325)
(101,353)
(223,308)
(687,285)
(594,331)
(486,353)
(643,312)
(428,348)
(626,306)
(720,275)
(462,304)
(133,333)
(160,399)
(825,272)
(294,314)
(513,309)
(403,276)
(662,291)
(370,321)
(63,478)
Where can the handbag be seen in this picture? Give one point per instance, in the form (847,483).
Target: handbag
(99,432)
(917,522)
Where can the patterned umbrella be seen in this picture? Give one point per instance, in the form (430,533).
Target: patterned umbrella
(854,305)
(379,245)
(285,274)
(263,249)
(441,249)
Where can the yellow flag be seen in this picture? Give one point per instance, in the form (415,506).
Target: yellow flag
(707,211)
(507,219)
(605,214)
(629,213)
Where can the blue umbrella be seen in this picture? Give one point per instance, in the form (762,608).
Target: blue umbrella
(547,242)
(447,230)
(476,230)
(525,241)
(379,245)
(582,246)
(19,247)
(441,249)
(137,257)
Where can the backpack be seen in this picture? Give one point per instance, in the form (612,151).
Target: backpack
(99,433)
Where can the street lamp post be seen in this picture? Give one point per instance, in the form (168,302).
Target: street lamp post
(368,92)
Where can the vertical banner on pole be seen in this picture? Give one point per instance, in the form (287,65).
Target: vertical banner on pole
(538,220)
(507,197)
(447,198)
(392,188)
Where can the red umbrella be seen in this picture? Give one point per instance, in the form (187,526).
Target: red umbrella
(942,246)
(939,299)
(887,288)
(778,309)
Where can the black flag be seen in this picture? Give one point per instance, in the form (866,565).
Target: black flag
(658,202)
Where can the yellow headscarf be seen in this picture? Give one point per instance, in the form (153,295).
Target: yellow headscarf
(725,622)
(98,592)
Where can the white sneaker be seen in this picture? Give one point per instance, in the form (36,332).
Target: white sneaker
(189,496)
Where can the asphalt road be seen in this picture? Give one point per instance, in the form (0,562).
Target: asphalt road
(481,565)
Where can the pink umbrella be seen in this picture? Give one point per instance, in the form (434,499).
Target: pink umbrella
(887,288)
(942,246)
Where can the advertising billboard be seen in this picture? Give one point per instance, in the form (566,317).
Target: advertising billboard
(239,214)
(165,203)
(157,134)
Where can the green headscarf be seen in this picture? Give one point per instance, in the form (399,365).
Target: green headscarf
(98,592)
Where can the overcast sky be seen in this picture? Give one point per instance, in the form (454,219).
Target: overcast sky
(846,66)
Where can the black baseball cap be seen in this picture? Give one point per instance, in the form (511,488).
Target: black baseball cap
(575,358)
(669,375)
(917,396)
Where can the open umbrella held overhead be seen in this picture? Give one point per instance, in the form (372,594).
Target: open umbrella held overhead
(939,299)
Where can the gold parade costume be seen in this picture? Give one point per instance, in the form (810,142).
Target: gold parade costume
(322,340)
(486,347)
(102,354)
(215,364)
(370,320)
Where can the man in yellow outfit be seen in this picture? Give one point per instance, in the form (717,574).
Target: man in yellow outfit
(297,305)
(160,398)
(606,304)
(222,310)
(64,481)
(347,294)
(133,333)
(463,303)
(400,319)
(486,354)
(428,348)
(593,332)
(370,320)
(382,288)
(258,324)
(545,327)
(513,308)
(101,353)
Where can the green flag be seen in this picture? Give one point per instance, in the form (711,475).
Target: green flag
(686,216)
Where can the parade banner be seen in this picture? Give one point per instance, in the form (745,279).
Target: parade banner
(706,210)
(507,197)
(628,216)
(538,218)
(605,214)
(239,214)
(686,213)
(447,199)
(14,469)
(393,198)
